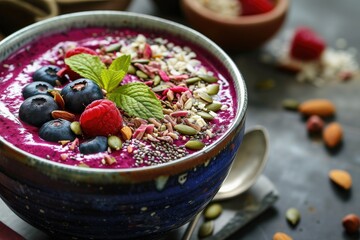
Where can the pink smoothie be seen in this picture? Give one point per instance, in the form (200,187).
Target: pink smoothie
(17,71)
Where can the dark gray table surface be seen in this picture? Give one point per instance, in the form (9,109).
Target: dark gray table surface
(299,166)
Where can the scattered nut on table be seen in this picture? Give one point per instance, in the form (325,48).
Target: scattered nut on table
(351,223)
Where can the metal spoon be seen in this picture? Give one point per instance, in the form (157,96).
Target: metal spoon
(249,163)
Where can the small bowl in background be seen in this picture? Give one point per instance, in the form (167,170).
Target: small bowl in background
(69,6)
(171,7)
(236,33)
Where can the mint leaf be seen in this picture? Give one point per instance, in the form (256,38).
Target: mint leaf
(88,66)
(121,63)
(111,79)
(137,100)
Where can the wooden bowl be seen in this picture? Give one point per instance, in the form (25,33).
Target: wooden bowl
(236,33)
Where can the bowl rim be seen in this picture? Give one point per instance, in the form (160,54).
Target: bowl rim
(280,8)
(58,170)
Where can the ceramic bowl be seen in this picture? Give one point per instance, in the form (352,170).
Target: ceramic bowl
(236,33)
(69,202)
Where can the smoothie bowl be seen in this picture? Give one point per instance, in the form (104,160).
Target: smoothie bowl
(115,125)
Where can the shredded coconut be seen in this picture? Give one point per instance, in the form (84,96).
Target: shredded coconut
(227,8)
(335,64)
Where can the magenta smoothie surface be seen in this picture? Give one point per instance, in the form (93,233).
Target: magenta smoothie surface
(180,61)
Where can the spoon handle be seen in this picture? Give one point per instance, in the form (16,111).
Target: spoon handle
(191,227)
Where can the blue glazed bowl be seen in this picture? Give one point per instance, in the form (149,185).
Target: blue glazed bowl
(71,202)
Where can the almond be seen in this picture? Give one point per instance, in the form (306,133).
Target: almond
(351,223)
(126,133)
(320,107)
(281,236)
(58,98)
(63,114)
(341,178)
(332,134)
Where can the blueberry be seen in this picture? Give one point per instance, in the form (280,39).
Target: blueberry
(36,88)
(95,145)
(48,74)
(56,130)
(80,93)
(36,110)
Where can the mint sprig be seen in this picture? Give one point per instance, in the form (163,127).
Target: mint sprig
(88,66)
(136,99)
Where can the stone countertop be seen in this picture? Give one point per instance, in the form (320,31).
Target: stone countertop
(298,166)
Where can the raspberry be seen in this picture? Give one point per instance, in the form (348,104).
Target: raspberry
(252,7)
(67,70)
(101,118)
(79,50)
(306,45)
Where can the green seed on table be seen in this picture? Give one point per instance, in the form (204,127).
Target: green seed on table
(205,115)
(141,74)
(208,78)
(157,80)
(206,229)
(76,128)
(193,80)
(185,129)
(195,145)
(293,216)
(206,97)
(213,211)
(291,104)
(114,142)
(212,89)
(214,106)
(131,69)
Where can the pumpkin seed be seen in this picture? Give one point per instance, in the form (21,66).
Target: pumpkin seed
(206,97)
(76,128)
(195,145)
(141,74)
(214,106)
(205,115)
(206,229)
(142,61)
(293,215)
(114,142)
(208,78)
(212,89)
(160,88)
(185,129)
(193,80)
(291,104)
(157,80)
(113,47)
(213,211)
(131,69)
